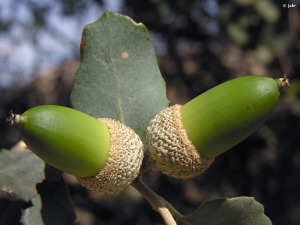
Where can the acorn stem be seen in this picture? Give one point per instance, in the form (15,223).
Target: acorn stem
(158,203)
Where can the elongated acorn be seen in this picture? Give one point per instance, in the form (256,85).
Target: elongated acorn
(184,140)
(103,154)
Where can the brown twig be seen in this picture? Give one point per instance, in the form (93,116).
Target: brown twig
(159,204)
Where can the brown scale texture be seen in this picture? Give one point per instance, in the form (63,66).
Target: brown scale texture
(124,162)
(169,148)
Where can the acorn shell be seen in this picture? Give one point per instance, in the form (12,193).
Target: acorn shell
(169,148)
(67,139)
(228,113)
(124,162)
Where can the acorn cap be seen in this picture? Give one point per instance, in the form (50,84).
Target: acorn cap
(124,161)
(169,148)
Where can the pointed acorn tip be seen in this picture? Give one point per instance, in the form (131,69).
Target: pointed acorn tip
(284,82)
(14,119)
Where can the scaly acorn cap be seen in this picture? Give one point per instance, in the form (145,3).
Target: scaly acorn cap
(124,161)
(169,148)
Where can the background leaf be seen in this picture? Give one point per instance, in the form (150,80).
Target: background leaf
(19,174)
(118,76)
(53,206)
(32,215)
(10,212)
(237,211)
(32,192)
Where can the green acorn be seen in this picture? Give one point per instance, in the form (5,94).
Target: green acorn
(184,140)
(104,154)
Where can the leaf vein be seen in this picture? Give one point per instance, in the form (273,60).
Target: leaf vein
(119,103)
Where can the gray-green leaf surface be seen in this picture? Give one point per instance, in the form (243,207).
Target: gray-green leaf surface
(228,211)
(118,76)
(20,172)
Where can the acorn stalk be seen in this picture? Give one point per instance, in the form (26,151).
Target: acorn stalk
(184,140)
(90,149)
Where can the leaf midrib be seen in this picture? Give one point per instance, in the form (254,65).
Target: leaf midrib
(119,103)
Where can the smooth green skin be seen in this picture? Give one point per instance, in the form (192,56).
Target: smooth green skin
(225,115)
(67,139)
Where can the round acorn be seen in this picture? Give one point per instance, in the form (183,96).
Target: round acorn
(103,154)
(184,140)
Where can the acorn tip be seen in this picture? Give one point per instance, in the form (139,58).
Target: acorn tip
(284,82)
(13,119)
